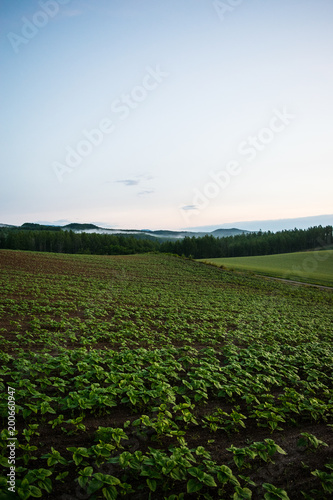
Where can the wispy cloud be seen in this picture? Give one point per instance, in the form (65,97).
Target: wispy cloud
(146,177)
(105,225)
(135,181)
(190,207)
(147,191)
(129,182)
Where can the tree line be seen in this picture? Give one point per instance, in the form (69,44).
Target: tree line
(72,242)
(247,244)
(208,246)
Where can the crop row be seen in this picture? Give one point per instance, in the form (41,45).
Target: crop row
(157,377)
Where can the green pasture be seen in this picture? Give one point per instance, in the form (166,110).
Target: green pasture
(311,267)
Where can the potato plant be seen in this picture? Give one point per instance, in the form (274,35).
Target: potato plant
(153,376)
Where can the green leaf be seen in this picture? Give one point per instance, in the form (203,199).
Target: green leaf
(302,442)
(280,450)
(108,479)
(86,472)
(23,494)
(176,473)
(35,492)
(242,493)
(193,485)
(110,493)
(208,480)
(94,485)
(152,484)
(83,481)
(247,480)
(43,473)
(195,471)
(4,461)
(274,493)
(46,484)
(225,475)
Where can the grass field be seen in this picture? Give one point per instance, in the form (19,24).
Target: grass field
(310,267)
(156,377)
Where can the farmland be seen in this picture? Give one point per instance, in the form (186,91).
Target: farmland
(156,377)
(310,267)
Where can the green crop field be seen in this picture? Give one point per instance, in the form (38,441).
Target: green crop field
(311,267)
(156,377)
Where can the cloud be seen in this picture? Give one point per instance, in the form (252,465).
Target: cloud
(138,179)
(148,191)
(129,182)
(104,225)
(146,177)
(190,207)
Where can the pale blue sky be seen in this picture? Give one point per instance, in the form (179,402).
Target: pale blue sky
(184,94)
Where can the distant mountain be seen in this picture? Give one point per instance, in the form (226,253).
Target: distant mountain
(31,226)
(160,233)
(82,227)
(218,231)
(147,233)
(222,233)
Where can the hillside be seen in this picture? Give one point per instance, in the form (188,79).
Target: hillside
(314,267)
